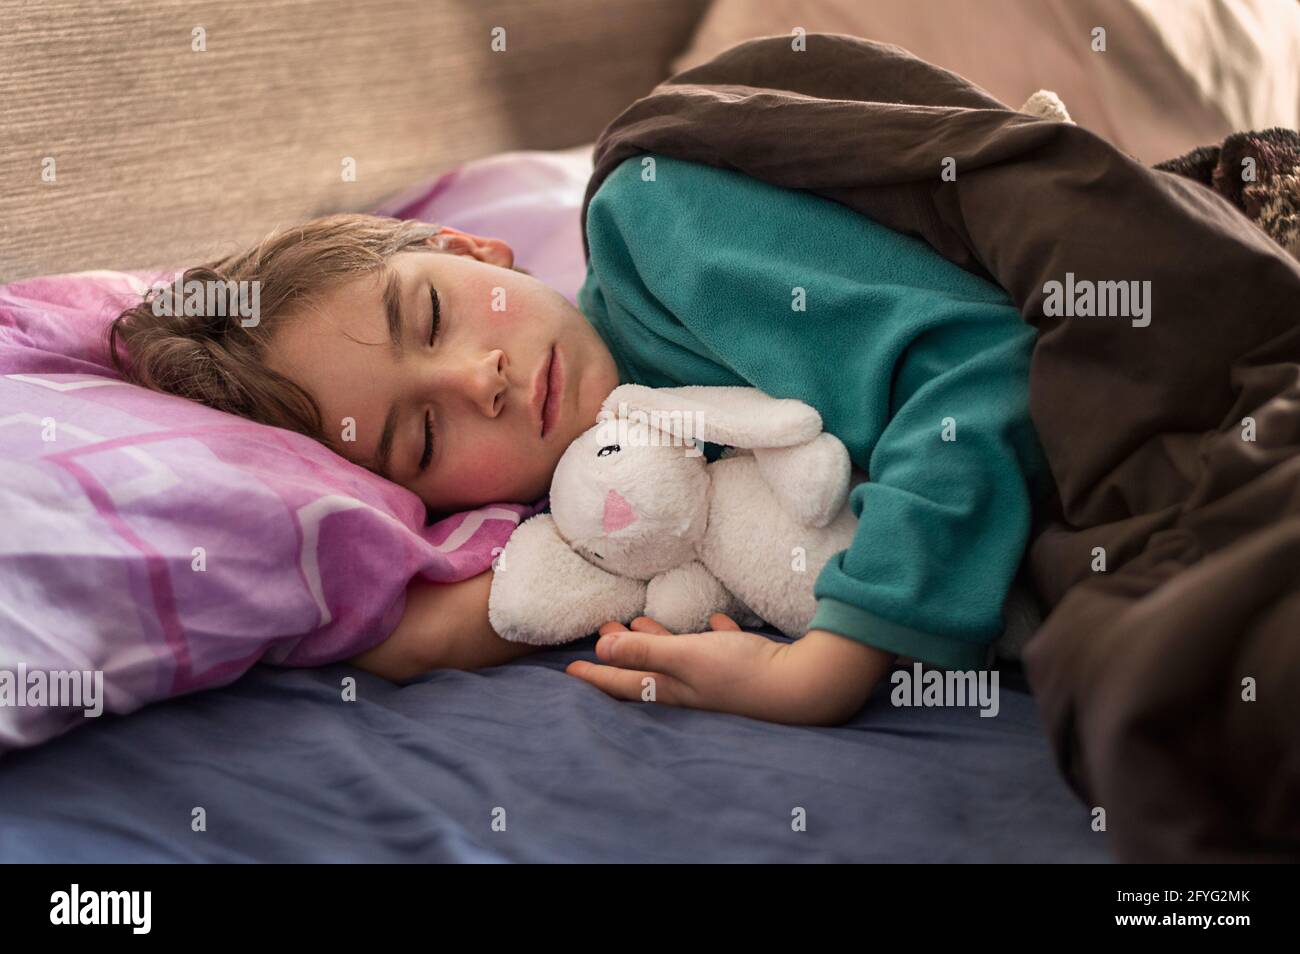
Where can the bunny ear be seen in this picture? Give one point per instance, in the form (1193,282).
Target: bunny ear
(735,416)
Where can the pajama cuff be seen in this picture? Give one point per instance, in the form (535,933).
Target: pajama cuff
(857,624)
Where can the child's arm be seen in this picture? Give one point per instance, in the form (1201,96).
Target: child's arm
(821,679)
(444,626)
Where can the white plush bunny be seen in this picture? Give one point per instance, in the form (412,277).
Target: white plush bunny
(642,524)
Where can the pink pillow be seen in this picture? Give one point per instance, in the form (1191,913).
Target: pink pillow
(169,546)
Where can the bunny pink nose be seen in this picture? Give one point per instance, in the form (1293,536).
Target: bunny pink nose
(618,512)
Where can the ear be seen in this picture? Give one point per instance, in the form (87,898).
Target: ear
(736,416)
(493,251)
(543,593)
(811,481)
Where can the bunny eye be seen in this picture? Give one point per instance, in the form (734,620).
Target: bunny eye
(608,449)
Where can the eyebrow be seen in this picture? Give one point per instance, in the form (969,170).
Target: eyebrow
(392,298)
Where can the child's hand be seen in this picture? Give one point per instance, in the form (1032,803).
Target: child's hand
(822,679)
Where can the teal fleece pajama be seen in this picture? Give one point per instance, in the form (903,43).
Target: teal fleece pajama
(706,276)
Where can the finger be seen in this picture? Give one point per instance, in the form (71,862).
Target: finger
(644,624)
(721,621)
(613,626)
(629,684)
(648,651)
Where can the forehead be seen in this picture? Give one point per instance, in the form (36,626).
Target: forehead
(353,301)
(359,297)
(336,347)
(349,307)
(357,311)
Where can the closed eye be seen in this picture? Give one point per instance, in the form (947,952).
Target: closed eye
(428,441)
(435,322)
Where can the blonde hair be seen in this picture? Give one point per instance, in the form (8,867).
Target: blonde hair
(213,357)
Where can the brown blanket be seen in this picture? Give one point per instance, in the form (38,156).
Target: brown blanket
(1169,680)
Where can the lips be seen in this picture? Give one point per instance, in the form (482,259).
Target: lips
(554,393)
(548,391)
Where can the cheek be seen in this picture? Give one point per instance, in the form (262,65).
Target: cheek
(482,471)
(526,305)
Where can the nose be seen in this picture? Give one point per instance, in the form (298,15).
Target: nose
(481,380)
(618,512)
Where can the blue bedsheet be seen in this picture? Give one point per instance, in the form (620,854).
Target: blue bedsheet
(287,771)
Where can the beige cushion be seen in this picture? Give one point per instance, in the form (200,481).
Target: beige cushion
(165,154)
(1176,74)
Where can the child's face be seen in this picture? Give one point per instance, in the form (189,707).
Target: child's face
(474,383)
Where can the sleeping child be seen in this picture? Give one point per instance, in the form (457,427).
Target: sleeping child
(422,354)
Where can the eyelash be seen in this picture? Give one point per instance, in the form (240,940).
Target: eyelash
(436,323)
(428,442)
(428,420)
